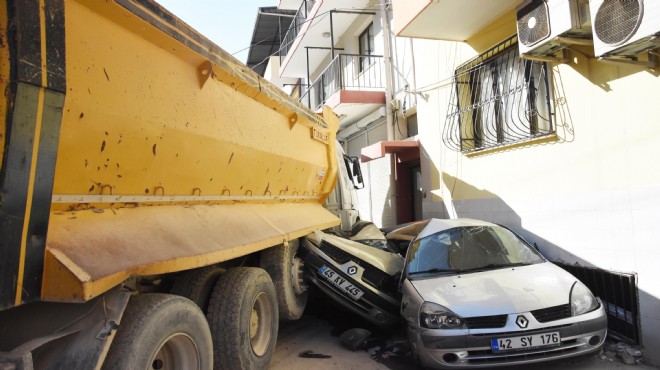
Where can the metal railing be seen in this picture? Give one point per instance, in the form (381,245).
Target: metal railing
(346,72)
(298,21)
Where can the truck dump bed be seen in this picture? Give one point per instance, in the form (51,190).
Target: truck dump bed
(135,146)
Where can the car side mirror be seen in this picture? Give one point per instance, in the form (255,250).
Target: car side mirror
(354,171)
(357,172)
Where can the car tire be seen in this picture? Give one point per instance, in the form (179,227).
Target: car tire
(243,317)
(197,285)
(161,331)
(286,270)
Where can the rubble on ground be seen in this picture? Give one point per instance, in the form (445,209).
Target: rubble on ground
(628,354)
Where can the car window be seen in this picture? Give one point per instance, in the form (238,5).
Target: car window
(469,248)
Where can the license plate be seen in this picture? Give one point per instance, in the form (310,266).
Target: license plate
(341,283)
(525,342)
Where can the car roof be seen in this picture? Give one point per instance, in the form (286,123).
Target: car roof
(436,225)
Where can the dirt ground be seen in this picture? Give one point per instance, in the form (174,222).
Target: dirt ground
(319,330)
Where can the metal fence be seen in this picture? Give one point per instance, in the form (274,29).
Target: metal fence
(346,72)
(619,295)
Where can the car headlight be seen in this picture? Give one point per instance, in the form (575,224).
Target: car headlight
(582,300)
(435,316)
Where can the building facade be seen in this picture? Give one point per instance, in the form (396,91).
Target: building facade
(481,112)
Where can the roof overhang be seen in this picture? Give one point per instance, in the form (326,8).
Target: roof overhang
(404,149)
(447,19)
(269,29)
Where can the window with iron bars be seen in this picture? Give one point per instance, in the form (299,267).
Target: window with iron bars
(498,99)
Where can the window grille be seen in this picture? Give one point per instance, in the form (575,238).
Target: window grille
(498,99)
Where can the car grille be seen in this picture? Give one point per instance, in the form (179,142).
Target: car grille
(375,277)
(485,322)
(335,253)
(552,313)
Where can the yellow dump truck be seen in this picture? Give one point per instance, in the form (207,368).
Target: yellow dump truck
(153,190)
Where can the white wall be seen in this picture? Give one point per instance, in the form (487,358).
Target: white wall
(590,197)
(375,200)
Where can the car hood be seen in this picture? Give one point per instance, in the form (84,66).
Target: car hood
(388,262)
(499,292)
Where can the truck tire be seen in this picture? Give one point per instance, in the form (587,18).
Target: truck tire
(286,271)
(243,319)
(197,285)
(161,331)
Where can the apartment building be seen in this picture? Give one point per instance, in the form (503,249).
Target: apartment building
(335,53)
(538,115)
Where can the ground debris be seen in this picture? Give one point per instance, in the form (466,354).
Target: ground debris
(310,354)
(380,349)
(628,354)
(355,338)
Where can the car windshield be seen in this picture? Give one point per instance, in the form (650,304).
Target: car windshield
(469,249)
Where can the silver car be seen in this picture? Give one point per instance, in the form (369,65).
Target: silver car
(475,294)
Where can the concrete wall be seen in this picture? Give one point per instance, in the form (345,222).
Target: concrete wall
(589,196)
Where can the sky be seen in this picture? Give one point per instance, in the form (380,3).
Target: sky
(227,23)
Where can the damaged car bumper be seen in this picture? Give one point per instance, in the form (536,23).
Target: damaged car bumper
(478,346)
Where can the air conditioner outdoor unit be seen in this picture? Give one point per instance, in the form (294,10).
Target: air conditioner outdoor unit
(544,26)
(625,27)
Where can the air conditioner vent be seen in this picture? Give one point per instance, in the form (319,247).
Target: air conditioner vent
(533,23)
(546,26)
(616,21)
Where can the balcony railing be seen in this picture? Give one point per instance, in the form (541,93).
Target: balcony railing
(300,18)
(346,72)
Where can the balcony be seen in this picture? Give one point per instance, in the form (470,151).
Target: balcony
(352,85)
(296,25)
(317,25)
(460,20)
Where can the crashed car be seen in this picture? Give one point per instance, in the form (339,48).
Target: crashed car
(475,294)
(360,273)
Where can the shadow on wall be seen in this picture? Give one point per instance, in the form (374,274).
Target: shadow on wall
(601,73)
(472,202)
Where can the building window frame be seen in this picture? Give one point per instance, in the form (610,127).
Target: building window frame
(499,99)
(366,47)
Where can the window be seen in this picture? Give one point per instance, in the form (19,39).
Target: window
(498,99)
(366,45)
